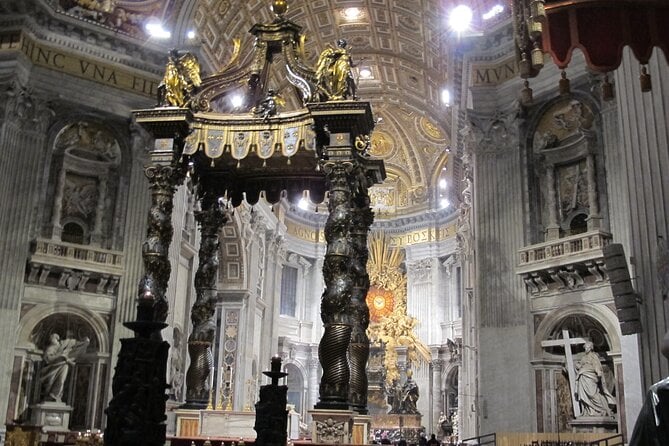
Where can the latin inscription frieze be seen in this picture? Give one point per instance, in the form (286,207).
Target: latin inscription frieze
(494,74)
(57,59)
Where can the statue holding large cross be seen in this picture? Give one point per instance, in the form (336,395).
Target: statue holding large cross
(589,394)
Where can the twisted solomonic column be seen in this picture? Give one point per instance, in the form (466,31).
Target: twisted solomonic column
(211,218)
(336,299)
(358,351)
(136,413)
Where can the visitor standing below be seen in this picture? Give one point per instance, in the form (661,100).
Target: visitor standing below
(433,441)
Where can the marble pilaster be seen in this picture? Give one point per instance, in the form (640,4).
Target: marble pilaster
(24,122)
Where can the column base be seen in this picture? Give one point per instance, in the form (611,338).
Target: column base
(362,425)
(552,233)
(594,222)
(52,416)
(331,426)
(594,424)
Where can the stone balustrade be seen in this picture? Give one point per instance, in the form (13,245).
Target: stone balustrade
(78,253)
(74,267)
(566,263)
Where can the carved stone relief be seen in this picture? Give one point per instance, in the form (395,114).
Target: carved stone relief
(565,146)
(492,134)
(561,122)
(572,188)
(126,16)
(80,199)
(86,183)
(25,109)
(421,271)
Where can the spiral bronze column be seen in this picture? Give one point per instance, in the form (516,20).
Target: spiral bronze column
(335,313)
(211,218)
(358,351)
(136,413)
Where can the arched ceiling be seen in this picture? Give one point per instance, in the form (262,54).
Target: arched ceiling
(404,43)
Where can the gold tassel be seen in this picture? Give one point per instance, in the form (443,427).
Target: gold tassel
(564,83)
(524,65)
(644,78)
(526,94)
(538,10)
(537,57)
(607,89)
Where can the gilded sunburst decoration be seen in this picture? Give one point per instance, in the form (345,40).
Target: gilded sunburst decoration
(390,325)
(380,302)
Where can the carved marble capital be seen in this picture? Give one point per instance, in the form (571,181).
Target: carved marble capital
(27,110)
(421,270)
(164,178)
(495,133)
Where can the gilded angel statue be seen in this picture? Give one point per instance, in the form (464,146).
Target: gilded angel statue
(182,77)
(334,79)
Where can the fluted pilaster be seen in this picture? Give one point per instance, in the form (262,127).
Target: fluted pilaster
(639,170)
(22,151)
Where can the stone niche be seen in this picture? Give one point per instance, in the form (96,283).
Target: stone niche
(84,181)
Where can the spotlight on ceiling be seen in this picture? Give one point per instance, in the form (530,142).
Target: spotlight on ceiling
(460,18)
(494,11)
(442,184)
(446,96)
(366,73)
(444,203)
(237,100)
(190,34)
(352,13)
(155,29)
(303,204)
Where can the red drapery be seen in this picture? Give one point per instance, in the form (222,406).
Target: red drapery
(601,28)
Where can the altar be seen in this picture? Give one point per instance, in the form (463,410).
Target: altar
(396,426)
(215,423)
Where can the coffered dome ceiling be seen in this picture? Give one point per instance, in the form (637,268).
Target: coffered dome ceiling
(402,44)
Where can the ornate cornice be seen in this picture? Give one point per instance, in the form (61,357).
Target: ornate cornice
(87,38)
(493,45)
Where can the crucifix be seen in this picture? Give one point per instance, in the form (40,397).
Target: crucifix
(567,343)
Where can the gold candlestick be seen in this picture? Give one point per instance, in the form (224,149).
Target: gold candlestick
(210,404)
(229,406)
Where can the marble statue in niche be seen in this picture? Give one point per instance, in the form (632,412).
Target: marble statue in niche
(59,357)
(591,390)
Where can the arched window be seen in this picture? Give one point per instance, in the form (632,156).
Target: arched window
(73,233)
(578,224)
